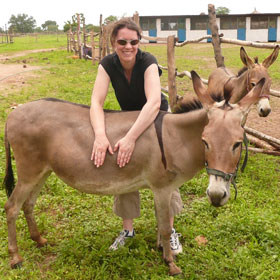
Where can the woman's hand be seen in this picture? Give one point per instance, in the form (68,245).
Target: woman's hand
(126,147)
(100,147)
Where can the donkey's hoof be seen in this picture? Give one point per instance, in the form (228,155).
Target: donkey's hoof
(174,269)
(16,263)
(42,242)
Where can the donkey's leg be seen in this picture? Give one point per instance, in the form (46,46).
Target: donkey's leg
(162,202)
(28,207)
(159,246)
(12,208)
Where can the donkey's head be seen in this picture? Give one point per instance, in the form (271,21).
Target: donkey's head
(223,137)
(255,72)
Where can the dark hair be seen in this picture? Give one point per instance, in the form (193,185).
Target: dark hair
(124,23)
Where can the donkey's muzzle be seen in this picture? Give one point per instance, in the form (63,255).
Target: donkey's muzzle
(264,112)
(217,199)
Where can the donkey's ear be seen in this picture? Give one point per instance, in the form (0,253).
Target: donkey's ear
(270,60)
(201,90)
(252,97)
(227,94)
(247,61)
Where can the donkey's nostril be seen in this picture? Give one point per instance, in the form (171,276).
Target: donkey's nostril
(264,113)
(225,194)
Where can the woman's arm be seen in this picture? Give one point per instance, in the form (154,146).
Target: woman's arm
(99,93)
(146,117)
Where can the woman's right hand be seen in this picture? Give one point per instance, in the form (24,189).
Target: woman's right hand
(100,146)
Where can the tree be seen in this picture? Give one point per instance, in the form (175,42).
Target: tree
(22,23)
(109,19)
(38,29)
(69,24)
(50,25)
(1,30)
(90,27)
(222,11)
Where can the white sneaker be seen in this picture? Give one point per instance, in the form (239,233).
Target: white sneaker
(176,246)
(121,239)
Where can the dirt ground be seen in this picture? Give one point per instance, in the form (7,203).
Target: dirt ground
(15,75)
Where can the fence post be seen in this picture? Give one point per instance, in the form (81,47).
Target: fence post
(100,37)
(92,47)
(136,18)
(84,31)
(215,36)
(70,39)
(172,90)
(79,36)
(104,40)
(68,35)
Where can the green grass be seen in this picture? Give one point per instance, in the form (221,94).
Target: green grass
(31,42)
(243,236)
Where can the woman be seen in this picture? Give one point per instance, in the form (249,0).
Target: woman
(135,78)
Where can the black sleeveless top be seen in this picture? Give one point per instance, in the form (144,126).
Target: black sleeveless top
(131,96)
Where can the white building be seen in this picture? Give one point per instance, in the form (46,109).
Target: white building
(254,27)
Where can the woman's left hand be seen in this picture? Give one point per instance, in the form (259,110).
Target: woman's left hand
(126,148)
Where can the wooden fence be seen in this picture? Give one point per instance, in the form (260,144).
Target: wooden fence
(79,43)
(83,43)
(6,38)
(264,143)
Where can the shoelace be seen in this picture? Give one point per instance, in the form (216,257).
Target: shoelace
(174,239)
(120,238)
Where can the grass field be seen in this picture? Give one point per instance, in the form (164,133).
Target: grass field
(31,42)
(243,237)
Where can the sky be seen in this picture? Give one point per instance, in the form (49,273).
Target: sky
(62,10)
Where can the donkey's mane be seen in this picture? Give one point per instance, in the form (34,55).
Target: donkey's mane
(241,71)
(52,99)
(77,104)
(189,104)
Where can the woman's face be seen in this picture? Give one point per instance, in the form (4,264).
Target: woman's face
(126,51)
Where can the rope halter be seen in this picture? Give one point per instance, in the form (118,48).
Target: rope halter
(231,177)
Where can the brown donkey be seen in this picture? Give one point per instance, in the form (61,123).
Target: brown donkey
(223,79)
(51,135)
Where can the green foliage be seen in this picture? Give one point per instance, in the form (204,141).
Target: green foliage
(50,25)
(73,24)
(22,23)
(90,27)
(38,29)
(110,19)
(243,236)
(222,11)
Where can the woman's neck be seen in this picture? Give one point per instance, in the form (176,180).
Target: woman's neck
(128,66)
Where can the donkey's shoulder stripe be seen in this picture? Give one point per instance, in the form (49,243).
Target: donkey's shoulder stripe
(158,126)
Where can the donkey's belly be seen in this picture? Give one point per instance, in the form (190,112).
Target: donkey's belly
(78,171)
(111,188)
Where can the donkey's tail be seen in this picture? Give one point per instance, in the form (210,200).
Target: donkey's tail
(9,181)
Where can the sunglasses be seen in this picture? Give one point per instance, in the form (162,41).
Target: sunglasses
(123,42)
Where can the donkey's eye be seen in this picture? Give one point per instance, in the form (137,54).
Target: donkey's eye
(205,143)
(236,145)
(253,84)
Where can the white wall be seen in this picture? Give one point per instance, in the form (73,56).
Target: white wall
(145,33)
(166,33)
(196,34)
(254,35)
(257,35)
(229,33)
